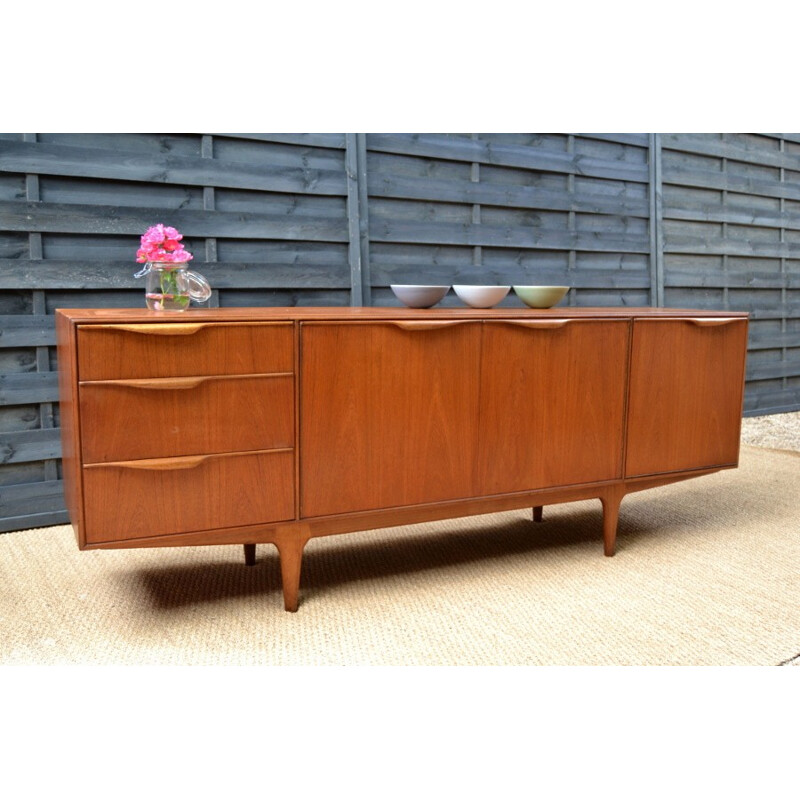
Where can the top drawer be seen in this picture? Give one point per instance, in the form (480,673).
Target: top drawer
(163,350)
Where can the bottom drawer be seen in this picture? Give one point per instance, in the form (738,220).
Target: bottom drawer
(162,496)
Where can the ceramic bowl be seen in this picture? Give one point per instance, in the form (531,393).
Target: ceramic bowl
(418,296)
(541,296)
(481,296)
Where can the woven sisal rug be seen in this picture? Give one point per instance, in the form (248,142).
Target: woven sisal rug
(707,572)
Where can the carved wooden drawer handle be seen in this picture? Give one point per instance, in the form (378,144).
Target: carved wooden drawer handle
(157,464)
(157,329)
(160,383)
(709,322)
(427,325)
(181,383)
(538,324)
(178,462)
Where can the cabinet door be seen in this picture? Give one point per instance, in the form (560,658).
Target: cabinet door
(552,403)
(388,414)
(687,378)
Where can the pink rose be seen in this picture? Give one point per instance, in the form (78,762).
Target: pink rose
(162,243)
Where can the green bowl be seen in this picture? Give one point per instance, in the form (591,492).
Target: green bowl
(541,296)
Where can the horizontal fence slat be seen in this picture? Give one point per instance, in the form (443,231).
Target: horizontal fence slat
(706,179)
(17,499)
(330,140)
(54,159)
(733,215)
(773,341)
(773,369)
(34,445)
(23,330)
(383,184)
(637,139)
(34,520)
(704,145)
(719,245)
(383,230)
(772,402)
(471,150)
(730,279)
(17,388)
(68,218)
(47,274)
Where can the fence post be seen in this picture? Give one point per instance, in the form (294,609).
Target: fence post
(353,220)
(656,229)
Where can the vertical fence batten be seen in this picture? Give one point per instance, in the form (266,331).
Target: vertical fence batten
(656,232)
(353,221)
(661,219)
(363,217)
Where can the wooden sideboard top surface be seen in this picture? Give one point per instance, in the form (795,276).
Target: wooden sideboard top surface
(309,314)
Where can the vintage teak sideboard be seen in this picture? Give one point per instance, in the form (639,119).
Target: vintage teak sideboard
(243,426)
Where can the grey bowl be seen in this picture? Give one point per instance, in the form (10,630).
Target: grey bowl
(418,295)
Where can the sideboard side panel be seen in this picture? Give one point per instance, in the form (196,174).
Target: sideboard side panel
(70,423)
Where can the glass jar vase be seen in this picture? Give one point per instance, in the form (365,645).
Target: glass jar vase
(170,287)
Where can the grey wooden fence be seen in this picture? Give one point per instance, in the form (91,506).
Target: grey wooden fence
(708,221)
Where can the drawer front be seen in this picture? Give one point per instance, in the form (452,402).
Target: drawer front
(134,500)
(162,417)
(183,349)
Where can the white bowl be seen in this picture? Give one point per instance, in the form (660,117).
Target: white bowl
(481,296)
(418,296)
(541,296)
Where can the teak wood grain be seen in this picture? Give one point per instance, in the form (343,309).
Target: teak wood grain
(126,500)
(166,350)
(313,422)
(186,416)
(686,390)
(552,404)
(387,415)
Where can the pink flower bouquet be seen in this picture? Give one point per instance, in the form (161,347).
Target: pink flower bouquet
(161,243)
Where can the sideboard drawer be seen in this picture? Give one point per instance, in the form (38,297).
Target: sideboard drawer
(161,417)
(178,349)
(158,497)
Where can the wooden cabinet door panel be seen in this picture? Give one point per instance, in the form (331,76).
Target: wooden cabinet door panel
(552,403)
(158,497)
(685,407)
(164,417)
(388,414)
(182,349)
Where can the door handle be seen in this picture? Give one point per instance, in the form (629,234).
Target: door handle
(536,324)
(711,322)
(155,464)
(181,383)
(427,325)
(156,329)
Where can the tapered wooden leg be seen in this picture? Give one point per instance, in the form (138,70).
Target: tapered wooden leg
(611,502)
(290,549)
(249,554)
(537,513)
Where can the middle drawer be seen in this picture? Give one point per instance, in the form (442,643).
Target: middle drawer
(162,417)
